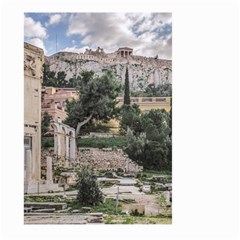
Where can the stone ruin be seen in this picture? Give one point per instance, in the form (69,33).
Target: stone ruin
(62,155)
(108,159)
(97,52)
(33,76)
(64,143)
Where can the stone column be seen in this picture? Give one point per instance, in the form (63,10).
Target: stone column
(28,165)
(49,170)
(63,145)
(55,143)
(58,144)
(166,194)
(72,148)
(67,147)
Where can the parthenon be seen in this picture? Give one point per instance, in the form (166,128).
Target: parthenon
(124,52)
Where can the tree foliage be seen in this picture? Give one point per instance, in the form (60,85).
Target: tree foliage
(126,89)
(129,116)
(163,90)
(88,190)
(97,99)
(149,144)
(53,79)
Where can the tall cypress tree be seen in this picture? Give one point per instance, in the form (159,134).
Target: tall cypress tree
(126,89)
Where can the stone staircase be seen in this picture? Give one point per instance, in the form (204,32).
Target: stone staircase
(57,213)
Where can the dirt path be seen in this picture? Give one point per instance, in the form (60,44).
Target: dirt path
(132,193)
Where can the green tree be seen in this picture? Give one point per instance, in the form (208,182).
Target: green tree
(136,146)
(49,76)
(130,117)
(61,81)
(88,189)
(163,90)
(126,89)
(152,133)
(45,124)
(152,146)
(97,99)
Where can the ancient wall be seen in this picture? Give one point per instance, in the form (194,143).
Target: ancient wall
(106,159)
(33,76)
(100,159)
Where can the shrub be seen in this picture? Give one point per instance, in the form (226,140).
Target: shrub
(88,189)
(136,213)
(47,142)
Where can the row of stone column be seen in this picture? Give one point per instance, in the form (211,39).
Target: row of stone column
(64,146)
(125,53)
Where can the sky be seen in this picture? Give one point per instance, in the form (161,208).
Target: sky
(149,34)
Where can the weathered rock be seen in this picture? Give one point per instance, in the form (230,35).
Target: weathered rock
(86,209)
(27,209)
(95,220)
(146,188)
(76,211)
(64,210)
(96,214)
(160,187)
(106,180)
(45,210)
(161,179)
(45,205)
(110,159)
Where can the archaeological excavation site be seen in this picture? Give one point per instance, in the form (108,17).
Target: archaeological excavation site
(98,132)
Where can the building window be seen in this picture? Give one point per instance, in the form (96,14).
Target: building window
(28,142)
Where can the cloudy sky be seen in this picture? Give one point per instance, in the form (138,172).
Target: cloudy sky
(148,34)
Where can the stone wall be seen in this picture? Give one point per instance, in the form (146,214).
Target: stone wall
(99,159)
(107,159)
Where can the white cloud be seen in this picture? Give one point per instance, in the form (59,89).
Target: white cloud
(54,19)
(34,29)
(143,32)
(38,43)
(74,49)
(35,33)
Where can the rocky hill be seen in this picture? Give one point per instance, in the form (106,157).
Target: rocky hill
(142,70)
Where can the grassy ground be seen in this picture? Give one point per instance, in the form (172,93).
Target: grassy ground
(119,142)
(150,173)
(108,207)
(146,174)
(54,199)
(103,142)
(124,219)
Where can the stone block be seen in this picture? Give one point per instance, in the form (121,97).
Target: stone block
(45,210)
(136,209)
(96,214)
(46,205)
(146,188)
(76,211)
(86,209)
(27,209)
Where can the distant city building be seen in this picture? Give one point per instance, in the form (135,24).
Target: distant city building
(54,101)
